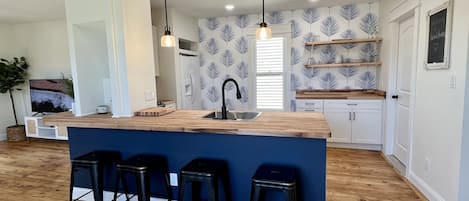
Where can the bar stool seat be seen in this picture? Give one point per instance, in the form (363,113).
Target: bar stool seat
(141,166)
(94,162)
(274,178)
(206,171)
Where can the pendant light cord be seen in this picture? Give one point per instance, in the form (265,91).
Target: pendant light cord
(263,11)
(166,13)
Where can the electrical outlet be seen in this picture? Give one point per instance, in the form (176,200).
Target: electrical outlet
(173,179)
(150,95)
(427,164)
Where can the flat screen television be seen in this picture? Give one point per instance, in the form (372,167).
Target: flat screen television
(51,95)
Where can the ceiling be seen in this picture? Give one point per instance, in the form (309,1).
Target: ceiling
(215,8)
(24,11)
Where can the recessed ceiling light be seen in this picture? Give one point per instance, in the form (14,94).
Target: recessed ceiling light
(229,7)
(313,1)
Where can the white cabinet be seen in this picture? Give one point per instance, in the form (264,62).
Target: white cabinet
(36,129)
(366,127)
(354,121)
(341,128)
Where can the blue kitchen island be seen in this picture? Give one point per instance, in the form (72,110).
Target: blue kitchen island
(293,139)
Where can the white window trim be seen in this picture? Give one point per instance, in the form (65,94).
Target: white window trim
(283,30)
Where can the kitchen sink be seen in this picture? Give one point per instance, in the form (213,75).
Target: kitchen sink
(239,116)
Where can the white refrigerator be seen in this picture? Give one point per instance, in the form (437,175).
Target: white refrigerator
(190,76)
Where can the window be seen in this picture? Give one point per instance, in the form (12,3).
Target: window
(270,82)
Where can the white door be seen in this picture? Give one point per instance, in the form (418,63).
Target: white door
(340,124)
(366,126)
(403,89)
(190,74)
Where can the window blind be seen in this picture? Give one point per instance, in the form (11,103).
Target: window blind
(269,74)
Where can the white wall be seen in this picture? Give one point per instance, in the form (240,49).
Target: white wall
(6,47)
(139,54)
(92,65)
(45,46)
(438,120)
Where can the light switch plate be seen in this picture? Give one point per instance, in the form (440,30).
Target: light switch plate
(173,179)
(150,95)
(452,82)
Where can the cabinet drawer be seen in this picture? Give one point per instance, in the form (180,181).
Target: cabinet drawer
(353,104)
(302,109)
(310,104)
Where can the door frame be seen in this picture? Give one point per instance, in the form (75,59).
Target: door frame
(398,14)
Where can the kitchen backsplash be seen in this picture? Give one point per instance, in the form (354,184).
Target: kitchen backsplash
(224,50)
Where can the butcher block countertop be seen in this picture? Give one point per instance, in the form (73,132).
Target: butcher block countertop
(340,94)
(278,124)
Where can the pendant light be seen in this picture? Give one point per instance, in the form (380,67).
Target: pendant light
(263,32)
(167,40)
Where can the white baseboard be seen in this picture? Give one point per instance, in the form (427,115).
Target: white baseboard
(423,187)
(355,146)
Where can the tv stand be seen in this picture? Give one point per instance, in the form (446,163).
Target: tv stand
(36,129)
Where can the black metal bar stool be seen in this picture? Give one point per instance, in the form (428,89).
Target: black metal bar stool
(94,162)
(206,171)
(141,166)
(274,178)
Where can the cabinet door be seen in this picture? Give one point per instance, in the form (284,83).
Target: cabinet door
(31,127)
(366,127)
(340,124)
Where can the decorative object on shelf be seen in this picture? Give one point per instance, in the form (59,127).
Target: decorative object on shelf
(12,74)
(263,32)
(439,21)
(167,40)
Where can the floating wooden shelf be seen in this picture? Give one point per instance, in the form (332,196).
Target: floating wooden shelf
(344,41)
(344,65)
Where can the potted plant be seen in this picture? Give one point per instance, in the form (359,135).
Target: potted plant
(12,74)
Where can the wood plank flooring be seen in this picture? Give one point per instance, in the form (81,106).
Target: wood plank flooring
(39,171)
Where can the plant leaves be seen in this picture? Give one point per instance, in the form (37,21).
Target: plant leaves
(328,81)
(242,45)
(369,23)
(349,12)
(242,21)
(311,15)
(212,23)
(367,80)
(329,26)
(227,58)
(227,33)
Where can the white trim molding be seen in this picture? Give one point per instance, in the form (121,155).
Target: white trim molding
(421,185)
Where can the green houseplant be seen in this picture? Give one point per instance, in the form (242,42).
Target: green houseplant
(12,75)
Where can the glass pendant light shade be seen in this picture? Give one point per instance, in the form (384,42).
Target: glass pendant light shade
(263,32)
(167,40)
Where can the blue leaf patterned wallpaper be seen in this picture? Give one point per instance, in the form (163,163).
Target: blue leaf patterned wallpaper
(224,50)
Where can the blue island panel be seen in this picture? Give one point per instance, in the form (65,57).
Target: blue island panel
(244,154)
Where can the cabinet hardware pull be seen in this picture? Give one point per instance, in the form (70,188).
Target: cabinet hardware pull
(354,116)
(349,116)
(350,104)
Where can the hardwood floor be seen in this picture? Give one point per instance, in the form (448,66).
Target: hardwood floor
(39,171)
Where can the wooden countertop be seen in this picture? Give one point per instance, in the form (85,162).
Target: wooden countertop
(278,124)
(340,94)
